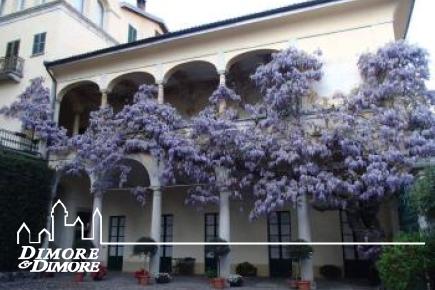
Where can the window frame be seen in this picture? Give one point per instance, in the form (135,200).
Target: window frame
(132,31)
(39,43)
(2,6)
(21,4)
(80,8)
(100,17)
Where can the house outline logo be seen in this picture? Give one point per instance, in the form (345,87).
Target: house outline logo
(97,215)
(50,234)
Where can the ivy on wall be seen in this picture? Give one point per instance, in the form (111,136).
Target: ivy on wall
(24,196)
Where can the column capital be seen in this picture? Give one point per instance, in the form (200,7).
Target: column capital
(98,194)
(222,71)
(157,191)
(105,91)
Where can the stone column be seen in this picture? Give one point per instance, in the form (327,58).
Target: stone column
(161,93)
(304,233)
(156,216)
(222,77)
(224,221)
(76,126)
(49,223)
(222,82)
(96,224)
(104,98)
(224,231)
(56,111)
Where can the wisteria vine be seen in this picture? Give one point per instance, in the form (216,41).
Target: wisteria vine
(360,153)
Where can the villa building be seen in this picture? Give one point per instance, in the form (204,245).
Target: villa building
(187,66)
(34,31)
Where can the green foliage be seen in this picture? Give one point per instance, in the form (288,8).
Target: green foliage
(217,251)
(25,187)
(330,272)
(246,269)
(423,193)
(300,252)
(84,244)
(147,250)
(403,267)
(211,274)
(186,266)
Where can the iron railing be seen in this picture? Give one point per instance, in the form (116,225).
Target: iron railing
(18,142)
(12,65)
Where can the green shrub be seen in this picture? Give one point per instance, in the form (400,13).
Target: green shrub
(422,194)
(298,253)
(186,266)
(402,267)
(246,269)
(25,188)
(146,250)
(330,272)
(217,251)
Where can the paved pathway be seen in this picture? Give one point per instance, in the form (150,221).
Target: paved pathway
(127,282)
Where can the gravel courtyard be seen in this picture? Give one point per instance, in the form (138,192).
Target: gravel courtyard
(127,282)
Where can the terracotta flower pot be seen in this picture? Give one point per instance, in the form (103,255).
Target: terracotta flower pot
(78,277)
(218,283)
(143,279)
(294,284)
(304,285)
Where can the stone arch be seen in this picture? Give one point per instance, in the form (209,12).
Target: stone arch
(246,54)
(150,164)
(238,71)
(77,100)
(180,66)
(122,88)
(138,174)
(189,85)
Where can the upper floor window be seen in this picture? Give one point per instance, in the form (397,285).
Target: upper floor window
(100,13)
(132,33)
(21,4)
(39,43)
(78,4)
(2,5)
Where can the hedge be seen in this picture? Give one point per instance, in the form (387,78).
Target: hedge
(24,196)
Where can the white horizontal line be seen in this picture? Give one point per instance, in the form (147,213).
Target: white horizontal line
(266,243)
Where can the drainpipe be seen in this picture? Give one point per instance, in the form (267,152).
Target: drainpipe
(56,175)
(53,86)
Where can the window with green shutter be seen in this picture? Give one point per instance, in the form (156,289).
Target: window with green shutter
(132,33)
(39,43)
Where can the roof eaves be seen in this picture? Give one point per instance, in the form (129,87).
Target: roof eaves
(145,14)
(191,30)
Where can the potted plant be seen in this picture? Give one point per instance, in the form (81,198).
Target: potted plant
(298,253)
(246,269)
(235,280)
(143,277)
(163,278)
(102,272)
(211,274)
(82,244)
(186,266)
(330,272)
(45,274)
(217,251)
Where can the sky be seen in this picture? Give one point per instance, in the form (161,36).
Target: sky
(179,14)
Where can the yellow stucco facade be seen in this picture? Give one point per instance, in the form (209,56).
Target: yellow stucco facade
(343,30)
